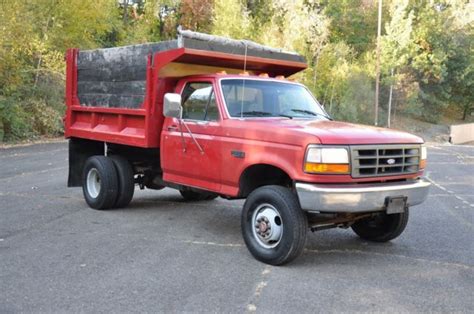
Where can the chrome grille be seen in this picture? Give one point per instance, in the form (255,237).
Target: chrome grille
(384,160)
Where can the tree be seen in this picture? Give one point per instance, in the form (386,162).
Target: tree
(353,22)
(440,57)
(31,58)
(196,15)
(230,19)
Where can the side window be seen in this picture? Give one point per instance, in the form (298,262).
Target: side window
(199,102)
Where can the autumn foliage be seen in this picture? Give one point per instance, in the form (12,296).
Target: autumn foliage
(426,50)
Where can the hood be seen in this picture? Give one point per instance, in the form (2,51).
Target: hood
(333,132)
(299,131)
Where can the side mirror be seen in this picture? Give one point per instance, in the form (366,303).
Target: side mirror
(172,105)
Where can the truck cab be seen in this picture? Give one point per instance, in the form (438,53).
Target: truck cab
(251,135)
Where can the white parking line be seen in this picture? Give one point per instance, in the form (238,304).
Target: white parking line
(267,269)
(252,307)
(449,191)
(214,243)
(423,260)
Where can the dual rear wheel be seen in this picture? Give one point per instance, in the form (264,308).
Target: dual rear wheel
(107,182)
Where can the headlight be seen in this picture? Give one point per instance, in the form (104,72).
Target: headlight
(329,160)
(423,156)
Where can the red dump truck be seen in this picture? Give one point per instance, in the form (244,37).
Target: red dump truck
(210,117)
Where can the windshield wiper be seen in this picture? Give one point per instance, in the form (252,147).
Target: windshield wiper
(263,114)
(255,113)
(311,113)
(285,115)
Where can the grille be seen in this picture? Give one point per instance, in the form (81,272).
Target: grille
(384,160)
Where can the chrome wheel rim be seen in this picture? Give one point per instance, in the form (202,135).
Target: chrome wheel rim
(267,226)
(93,183)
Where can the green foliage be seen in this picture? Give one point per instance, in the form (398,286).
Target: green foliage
(397,40)
(353,22)
(431,43)
(22,120)
(33,39)
(16,121)
(343,85)
(427,53)
(230,19)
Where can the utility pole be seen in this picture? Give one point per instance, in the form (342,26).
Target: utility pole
(390,101)
(125,12)
(377,75)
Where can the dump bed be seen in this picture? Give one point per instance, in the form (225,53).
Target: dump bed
(115,94)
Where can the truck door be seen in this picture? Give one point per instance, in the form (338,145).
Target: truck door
(193,162)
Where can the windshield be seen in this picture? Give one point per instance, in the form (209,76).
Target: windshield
(259,98)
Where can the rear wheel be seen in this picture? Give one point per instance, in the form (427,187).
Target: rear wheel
(126,181)
(382,227)
(190,195)
(100,182)
(273,225)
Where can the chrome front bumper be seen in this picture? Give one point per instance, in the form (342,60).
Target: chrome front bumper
(350,198)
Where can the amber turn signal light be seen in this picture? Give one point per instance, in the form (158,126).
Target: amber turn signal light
(424,154)
(326,168)
(422,163)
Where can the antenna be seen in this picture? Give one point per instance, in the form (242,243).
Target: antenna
(245,57)
(243,83)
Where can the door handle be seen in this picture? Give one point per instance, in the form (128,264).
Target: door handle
(173,127)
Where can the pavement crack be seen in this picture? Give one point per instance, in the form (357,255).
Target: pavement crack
(252,305)
(451,152)
(422,260)
(213,243)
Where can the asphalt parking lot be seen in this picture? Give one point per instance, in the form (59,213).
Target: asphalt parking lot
(162,254)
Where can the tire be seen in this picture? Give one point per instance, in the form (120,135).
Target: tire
(189,195)
(381,228)
(126,181)
(100,182)
(278,208)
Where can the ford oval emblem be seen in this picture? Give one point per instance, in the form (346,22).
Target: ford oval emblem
(390,161)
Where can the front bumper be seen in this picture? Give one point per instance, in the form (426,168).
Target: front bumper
(349,198)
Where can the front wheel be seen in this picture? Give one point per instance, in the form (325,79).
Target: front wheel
(273,225)
(382,227)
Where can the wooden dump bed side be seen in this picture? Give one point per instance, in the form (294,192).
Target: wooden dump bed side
(115,94)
